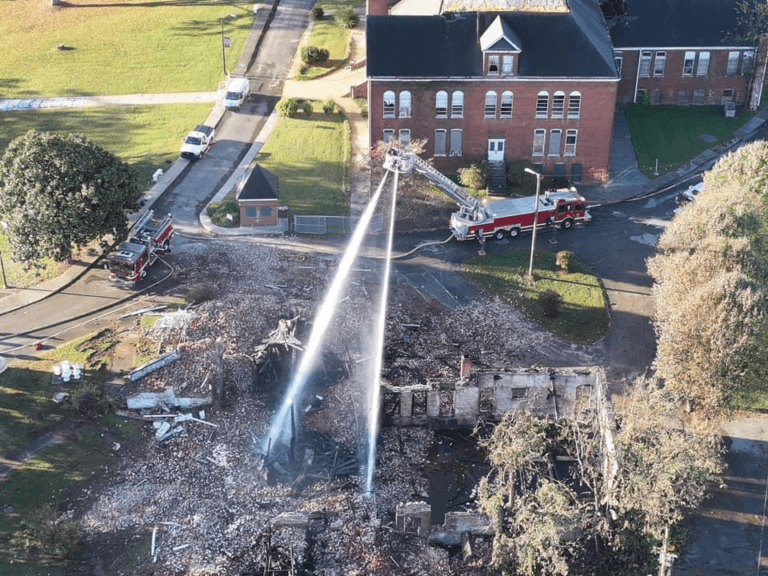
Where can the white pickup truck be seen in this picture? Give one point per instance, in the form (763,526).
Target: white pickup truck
(197,142)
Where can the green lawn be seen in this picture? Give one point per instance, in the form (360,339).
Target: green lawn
(673,133)
(583,318)
(310,158)
(117,48)
(147,137)
(326,34)
(337,4)
(58,474)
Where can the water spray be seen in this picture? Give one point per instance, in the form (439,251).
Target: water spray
(374,397)
(279,431)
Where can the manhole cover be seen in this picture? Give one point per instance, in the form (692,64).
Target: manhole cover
(708,138)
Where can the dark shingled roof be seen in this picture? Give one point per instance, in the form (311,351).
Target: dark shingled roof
(553,45)
(676,23)
(258,184)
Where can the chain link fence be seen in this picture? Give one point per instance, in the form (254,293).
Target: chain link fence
(333,225)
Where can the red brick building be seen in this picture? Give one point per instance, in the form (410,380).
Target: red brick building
(539,80)
(257,195)
(683,57)
(503,86)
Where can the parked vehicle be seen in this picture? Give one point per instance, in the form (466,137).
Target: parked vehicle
(147,239)
(689,195)
(562,208)
(238,91)
(197,142)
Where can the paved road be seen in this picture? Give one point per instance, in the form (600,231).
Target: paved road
(237,131)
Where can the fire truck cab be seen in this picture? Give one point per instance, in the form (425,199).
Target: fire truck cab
(147,239)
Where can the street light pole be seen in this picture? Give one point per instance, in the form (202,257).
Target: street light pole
(535,222)
(223,54)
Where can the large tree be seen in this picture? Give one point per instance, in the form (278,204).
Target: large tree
(711,277)
(60,192)
(626,484)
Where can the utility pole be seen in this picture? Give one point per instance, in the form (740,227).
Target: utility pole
(535,222)
(223,53)
(2,270)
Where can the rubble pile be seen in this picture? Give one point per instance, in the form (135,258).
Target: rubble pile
(205,493)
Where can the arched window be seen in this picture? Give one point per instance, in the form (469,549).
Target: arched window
(389,104)
(574,105)
(558,105)
(507,99)
(542,104)
(441,104)
(405,104)
(490,104)
(457,104)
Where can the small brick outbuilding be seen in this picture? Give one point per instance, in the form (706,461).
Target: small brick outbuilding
(257,195)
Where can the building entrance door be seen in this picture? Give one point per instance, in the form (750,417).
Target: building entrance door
(495,150)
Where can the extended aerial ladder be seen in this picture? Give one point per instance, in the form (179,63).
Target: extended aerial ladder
(557,208)
(403,162)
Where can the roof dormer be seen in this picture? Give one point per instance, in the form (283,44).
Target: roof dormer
(501,48)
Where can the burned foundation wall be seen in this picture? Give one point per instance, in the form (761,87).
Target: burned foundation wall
(554,393)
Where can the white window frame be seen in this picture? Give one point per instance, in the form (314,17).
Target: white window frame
(539,142)
(493,62)
(507,64)
(457,104)
(702,68)
(619,60)
(389,135)
(405,104)
(660,64)
(404,136)
(747,62)
(555,142)
(441,150)
(558,104)
(689,63)
(491,101)
(507,104)
(699,96)
(441,104)
(456,137)
(571,139)
(574,105)
(732,68)
(729,98)
(644,67)
(542,104)
(389,106)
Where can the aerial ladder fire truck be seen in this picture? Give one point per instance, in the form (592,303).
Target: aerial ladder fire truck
(147,239)
(561,208)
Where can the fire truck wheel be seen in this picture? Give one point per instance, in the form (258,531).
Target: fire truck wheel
(514,232)
(499,234)
(567,224)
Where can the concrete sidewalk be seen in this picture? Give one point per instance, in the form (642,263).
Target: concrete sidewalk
(19,105)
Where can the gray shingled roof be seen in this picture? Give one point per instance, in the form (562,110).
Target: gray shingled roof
(258,184)
(676,23)
(574,44)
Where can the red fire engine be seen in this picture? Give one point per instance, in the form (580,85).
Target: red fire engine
(147,239)
(562,207)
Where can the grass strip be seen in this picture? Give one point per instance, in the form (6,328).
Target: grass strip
(582,319)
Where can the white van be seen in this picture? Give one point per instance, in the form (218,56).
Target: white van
(238,90)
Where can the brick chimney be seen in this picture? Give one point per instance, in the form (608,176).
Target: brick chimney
(378,7)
